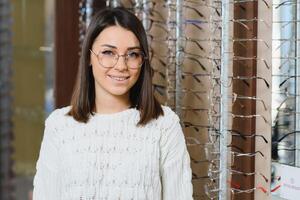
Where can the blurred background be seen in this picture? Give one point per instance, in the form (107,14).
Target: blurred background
(28,78)
(27,74)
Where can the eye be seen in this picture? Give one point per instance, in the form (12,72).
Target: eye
(133,54)
(108,53)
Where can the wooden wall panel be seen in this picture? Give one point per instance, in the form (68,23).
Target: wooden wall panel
(264,54)
(66,49)
(244,68)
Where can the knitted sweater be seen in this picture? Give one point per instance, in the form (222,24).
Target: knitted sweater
(110,158)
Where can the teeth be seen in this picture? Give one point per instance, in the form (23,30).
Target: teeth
(118,78)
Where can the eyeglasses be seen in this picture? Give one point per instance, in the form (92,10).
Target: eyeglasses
(134,59)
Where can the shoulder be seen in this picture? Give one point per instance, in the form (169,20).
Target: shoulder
(168,119)
(54,124)
(170,129)
(169,114)
(58,116)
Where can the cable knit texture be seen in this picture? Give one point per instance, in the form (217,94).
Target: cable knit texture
(110,158)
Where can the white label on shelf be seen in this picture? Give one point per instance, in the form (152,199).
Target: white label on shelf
(290,179)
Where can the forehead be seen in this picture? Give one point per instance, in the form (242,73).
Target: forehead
(116,36)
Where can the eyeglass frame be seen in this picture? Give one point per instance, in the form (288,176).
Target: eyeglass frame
(124,55)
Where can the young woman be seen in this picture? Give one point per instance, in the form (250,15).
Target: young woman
(115,141)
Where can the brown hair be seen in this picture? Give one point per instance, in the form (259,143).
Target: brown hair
(141,94)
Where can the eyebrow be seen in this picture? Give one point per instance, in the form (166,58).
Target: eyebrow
(114,47)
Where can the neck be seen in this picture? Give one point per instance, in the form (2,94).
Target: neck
(112,104)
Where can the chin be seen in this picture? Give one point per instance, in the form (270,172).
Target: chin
(118,91)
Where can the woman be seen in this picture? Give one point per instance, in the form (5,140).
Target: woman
(115,141)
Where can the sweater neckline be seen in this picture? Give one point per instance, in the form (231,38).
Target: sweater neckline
(122,113)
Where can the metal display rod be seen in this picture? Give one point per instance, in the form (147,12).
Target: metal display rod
(224,100)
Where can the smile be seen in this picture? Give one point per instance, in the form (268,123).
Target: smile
(119,78)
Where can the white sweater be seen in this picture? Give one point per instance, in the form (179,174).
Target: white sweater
(110,158)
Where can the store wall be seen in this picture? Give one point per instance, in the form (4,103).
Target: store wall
(28,90)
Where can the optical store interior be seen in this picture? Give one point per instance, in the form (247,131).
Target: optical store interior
(230,69)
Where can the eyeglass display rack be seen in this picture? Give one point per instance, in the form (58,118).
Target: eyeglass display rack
(212,62)
(213,65)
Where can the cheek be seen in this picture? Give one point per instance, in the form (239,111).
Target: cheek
(135,75)
(98,73)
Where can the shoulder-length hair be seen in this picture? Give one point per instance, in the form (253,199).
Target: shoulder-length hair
(141,94)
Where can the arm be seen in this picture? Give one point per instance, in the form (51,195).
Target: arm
(175,163)
(46,180)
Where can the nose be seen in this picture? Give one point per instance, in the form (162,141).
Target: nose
(121,63)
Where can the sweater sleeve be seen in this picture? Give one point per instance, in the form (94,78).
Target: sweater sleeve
(175,162)
(46,181)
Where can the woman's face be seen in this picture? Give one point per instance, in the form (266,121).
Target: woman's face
(117,80)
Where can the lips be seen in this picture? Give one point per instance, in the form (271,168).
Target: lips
(119,78)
